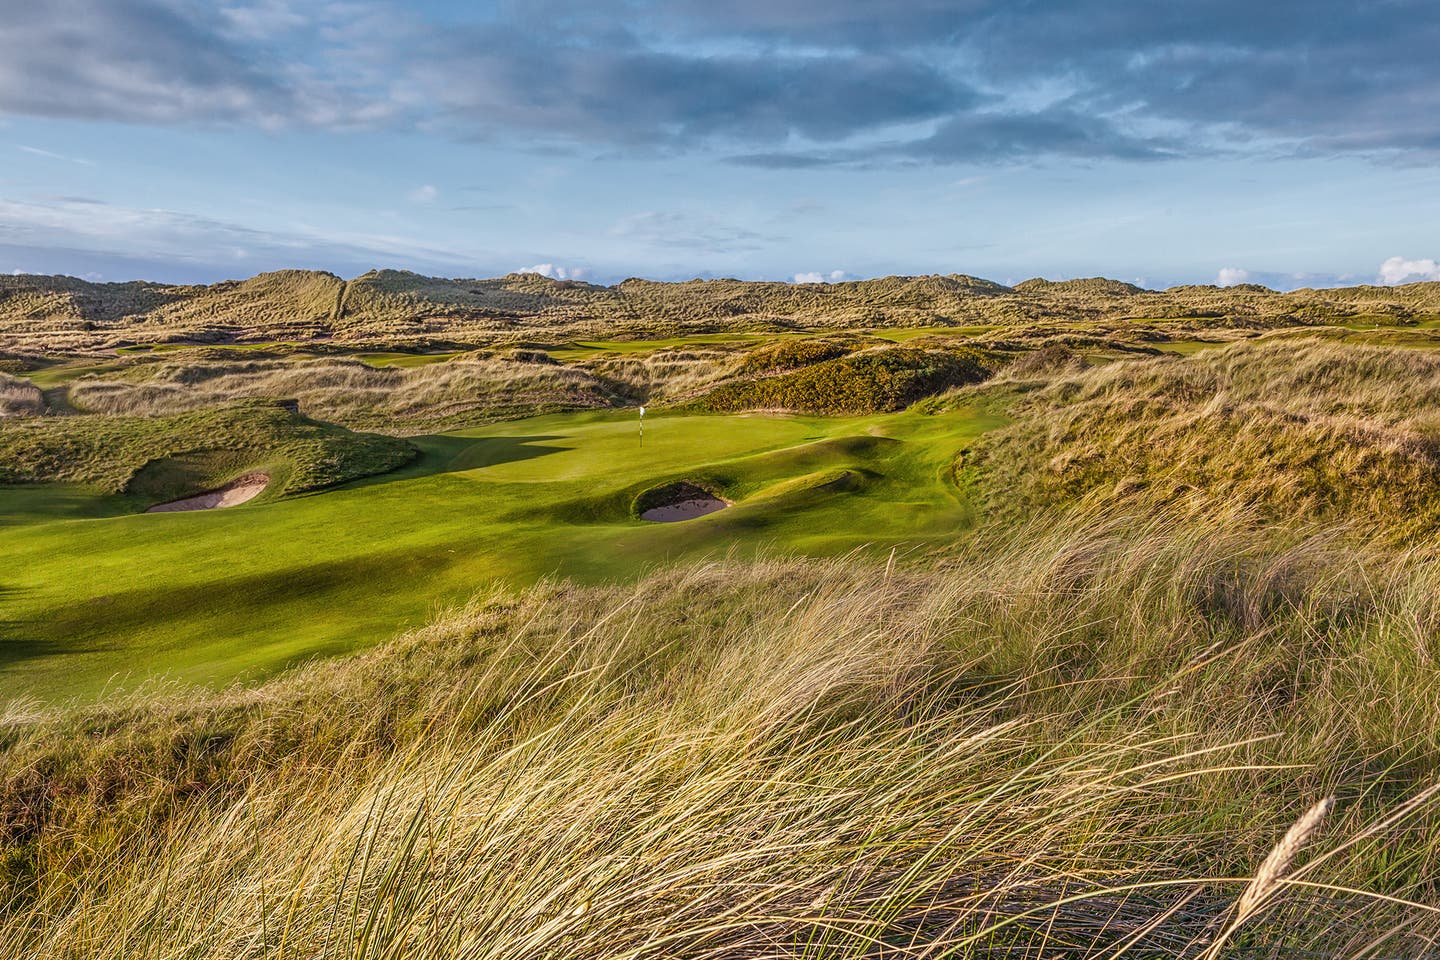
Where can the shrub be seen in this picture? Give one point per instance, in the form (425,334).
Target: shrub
(871,382)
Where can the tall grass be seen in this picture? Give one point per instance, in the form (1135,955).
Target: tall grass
(1083,740)
(20,398)
(354,393)
(1293,430)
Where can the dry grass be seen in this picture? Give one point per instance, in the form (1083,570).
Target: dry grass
(1296,430)
(467,389)
(20,398)
(1069,744)
(65,314)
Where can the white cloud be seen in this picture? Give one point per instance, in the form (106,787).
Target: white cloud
(50,155)
(689,231)
(1399,270)
(425,193)
(263,20)
(557,272)
(834,276)
(1229,276)
(78,231)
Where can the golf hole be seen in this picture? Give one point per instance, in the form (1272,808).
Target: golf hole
(679,501)
(233,494)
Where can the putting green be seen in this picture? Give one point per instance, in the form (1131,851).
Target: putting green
(97,596)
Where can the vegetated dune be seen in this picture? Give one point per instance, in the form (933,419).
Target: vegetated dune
(166,457)
(467,389)
(1078,740)
(62,313)
(1296,430)
(867,382)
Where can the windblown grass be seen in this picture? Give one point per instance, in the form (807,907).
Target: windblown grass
(1077,742)
(468,389)
(65,314)
(1295,430)
(20,398)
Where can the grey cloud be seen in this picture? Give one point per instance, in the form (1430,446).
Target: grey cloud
(622,91)
(990,137)
(782,85)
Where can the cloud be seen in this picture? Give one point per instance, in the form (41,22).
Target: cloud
(426,193)
(557,272)
(1399,270)
(1229,276)
(783,86)
(618,90)
(84,235)
(50,155)
(689,231)
(834,276)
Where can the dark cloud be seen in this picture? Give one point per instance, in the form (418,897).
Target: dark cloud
(771,83)
(133,60)
(621,91)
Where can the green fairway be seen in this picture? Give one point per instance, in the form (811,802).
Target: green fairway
(96,595)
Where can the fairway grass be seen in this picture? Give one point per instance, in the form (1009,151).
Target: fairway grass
(99,597)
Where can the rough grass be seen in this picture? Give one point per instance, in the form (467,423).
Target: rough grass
(1075,742)
(20,398)
(874,381)
(160,457)
(65,314)
(468,389)
(1296,430)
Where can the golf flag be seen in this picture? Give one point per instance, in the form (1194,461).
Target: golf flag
(642,411)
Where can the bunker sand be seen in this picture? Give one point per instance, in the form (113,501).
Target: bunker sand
(233,494)
(684,510)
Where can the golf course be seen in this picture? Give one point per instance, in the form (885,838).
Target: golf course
(101,596)
(413,618)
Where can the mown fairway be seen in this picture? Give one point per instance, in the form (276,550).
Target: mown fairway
(98,596)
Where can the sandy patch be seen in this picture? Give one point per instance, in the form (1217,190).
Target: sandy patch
(689,502)
(232,494)
(684,510)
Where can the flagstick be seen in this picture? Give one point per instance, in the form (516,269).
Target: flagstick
(642,427)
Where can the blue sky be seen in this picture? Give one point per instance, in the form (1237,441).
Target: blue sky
(1284,143)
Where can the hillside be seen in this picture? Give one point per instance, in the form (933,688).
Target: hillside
(1076,632)
(62,314)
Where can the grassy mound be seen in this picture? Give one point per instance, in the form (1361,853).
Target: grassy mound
(1294,431)
(791,354)
(164,457)
(467,389)
(870,382)
(1078,742)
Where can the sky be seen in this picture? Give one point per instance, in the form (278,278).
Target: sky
(1210,141)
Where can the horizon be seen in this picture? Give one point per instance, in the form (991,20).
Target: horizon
(794,281)
(1290,146)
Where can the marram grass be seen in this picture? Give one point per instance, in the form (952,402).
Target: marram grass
(1082,741)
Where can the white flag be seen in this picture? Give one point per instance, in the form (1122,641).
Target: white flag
(642,411)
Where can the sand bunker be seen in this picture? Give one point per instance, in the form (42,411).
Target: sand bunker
(232,494)
(682,501)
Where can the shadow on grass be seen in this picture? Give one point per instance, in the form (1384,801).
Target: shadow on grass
(195,615)
(15,648)
(442,453)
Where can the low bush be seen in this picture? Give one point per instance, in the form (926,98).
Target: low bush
(870,382)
